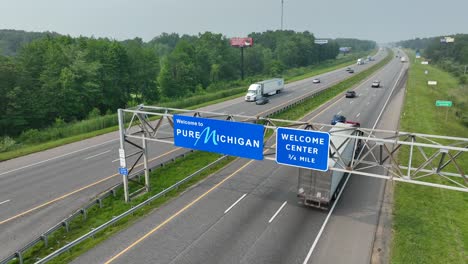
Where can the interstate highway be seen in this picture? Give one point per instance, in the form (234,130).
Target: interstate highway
(44,188)
(248,213)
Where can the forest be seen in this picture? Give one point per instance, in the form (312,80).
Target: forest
(47,78)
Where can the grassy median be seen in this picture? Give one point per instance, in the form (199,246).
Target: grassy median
(161,178)
(430,224)
(91,128)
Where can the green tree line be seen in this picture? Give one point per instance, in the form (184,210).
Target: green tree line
(11,40)
(452,56)
(55,79)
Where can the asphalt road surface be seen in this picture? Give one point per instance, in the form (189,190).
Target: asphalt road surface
(248,213)
(39,190)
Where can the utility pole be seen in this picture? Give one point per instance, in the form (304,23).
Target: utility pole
(282,4)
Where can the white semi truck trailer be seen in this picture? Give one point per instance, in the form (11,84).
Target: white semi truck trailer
(319,189)
(264,88)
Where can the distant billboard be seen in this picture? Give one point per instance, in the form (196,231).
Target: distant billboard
(241,42)
(447,40)
(345,49)
(321,41)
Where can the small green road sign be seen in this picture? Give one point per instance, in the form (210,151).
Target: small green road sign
(444,103)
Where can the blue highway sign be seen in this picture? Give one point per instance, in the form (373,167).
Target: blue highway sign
(302,148)
(219,136)
(123,171)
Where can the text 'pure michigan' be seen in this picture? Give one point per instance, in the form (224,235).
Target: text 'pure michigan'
(208,135)
(226,137)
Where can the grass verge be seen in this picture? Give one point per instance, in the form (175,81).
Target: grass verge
(430,225)
(160,180)
(189,103)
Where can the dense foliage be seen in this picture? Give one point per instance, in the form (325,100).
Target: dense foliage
(12,40)
(356,44)
(452,57)
(56,79)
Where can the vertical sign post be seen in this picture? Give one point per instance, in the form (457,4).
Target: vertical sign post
(447,104)
(242,43)
(122,169)
(320,42)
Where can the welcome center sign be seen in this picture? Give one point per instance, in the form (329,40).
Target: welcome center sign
(219,136)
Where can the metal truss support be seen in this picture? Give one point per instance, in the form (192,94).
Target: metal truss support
(428,155)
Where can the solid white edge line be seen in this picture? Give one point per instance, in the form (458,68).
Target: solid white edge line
(277,212)
(324,223)
(389,96)
(115,160)
(90,157)
(234,204)
(344,185)
(4,202)
(64,155)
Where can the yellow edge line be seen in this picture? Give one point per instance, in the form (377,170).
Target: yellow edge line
(176,214)
(75,191)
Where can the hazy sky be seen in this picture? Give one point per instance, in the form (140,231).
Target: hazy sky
(378,20)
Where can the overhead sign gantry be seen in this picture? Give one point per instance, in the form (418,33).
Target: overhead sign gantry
(243,136)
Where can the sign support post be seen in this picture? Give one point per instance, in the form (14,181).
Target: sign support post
(444,104)
(320,42)
(145,162)
(122,149)
(241,43)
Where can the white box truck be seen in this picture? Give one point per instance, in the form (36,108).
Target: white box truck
(320,188)
(360,62)
(263,88)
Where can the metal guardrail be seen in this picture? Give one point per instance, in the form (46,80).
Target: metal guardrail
(82,211)
(129,212)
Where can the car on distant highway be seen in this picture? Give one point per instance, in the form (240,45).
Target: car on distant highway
(338,118)
(262,100)
(348,69)
(350,94)
(317,80)
(376,84)
(351,71)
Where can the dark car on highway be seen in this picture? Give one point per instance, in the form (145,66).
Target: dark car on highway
(351,71)
(338,118)
(262,101)
(350,94)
